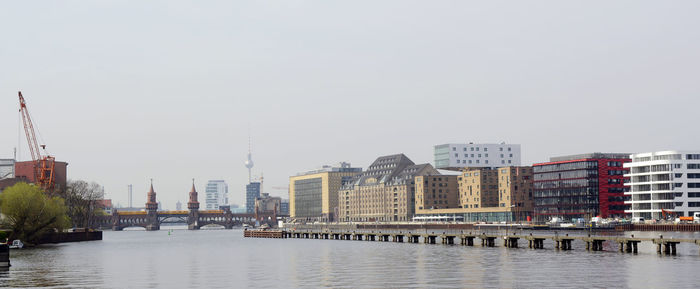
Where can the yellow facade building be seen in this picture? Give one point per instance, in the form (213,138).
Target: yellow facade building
(313,195)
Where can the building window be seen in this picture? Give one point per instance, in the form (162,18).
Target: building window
(503,162)
(510,155)
(472,149)
(470,161)
(454,148)
(486,161)
(465,149)
(477,161)
(509,161)
(486,155)
(508,149)
(500,149)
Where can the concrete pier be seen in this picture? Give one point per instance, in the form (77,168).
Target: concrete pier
(664,246)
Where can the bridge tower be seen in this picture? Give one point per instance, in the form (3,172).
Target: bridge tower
(193,206)
(152,210)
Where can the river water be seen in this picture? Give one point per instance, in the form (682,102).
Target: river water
(224,259)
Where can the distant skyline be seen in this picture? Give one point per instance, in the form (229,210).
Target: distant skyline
(126,91)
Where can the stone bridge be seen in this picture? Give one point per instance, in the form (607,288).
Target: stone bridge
(151,218)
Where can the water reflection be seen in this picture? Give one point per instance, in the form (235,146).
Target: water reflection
(223,259)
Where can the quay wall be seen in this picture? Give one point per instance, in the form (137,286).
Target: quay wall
(65,237)
(659,227)
(387,226)
(413,226)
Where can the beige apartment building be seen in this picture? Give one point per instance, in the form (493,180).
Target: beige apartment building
(383,192)
(515,190)
(436,192)
(484,194)
(478,188)
(313,195)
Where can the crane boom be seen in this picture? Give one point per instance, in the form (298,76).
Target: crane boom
(43,165)
(29,129)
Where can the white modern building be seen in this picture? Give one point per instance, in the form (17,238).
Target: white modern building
(663,182)
(216,194)
(457,156)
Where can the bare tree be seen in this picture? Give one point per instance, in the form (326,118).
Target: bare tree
(83,202)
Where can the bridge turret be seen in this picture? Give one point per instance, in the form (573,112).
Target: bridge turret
(153,224)
(151,204)
(193,204)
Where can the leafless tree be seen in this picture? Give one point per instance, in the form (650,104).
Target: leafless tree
(83,202)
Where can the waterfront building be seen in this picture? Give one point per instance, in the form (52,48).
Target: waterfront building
(27,169)
(313,195)
(663,182)
(216,194)
(478,188)
(284,207)
(515,190)
(436,192)
(484,194)
(384,192)
(580,186)
(252,191)
(265,204)
(7,168)
(106,205)
(471,155)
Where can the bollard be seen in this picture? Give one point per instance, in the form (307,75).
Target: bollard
(4,256)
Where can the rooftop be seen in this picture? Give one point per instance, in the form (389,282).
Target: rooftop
(596,155)
(341,167)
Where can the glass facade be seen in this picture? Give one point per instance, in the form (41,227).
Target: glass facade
(442,156)
(568,190)
(307,198)
(252,191)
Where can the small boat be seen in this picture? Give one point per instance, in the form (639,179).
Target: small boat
(16,244)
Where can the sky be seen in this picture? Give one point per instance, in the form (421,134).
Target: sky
(128,91)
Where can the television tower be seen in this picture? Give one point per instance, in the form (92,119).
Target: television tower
(249,161)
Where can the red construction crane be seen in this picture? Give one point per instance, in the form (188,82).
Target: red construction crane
(43,164)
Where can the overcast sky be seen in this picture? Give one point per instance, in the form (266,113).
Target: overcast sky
(125,91)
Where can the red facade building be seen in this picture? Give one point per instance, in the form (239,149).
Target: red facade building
(26,170)
(580,186)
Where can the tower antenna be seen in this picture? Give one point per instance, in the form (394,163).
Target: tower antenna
(249,161)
